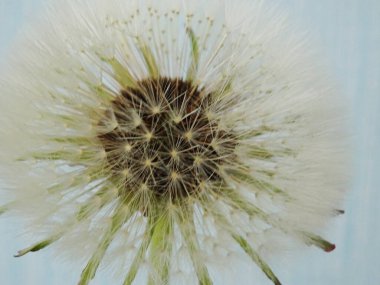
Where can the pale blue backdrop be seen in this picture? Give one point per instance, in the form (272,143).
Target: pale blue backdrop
(348,32)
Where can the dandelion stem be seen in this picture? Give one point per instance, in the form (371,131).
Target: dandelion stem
(256,258)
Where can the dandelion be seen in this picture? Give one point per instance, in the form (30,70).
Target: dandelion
(165,136)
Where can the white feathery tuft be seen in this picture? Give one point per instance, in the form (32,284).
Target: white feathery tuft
(169,137)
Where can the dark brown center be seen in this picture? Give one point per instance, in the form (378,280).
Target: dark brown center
(163,140)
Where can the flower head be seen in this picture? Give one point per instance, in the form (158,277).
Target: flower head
(166,133)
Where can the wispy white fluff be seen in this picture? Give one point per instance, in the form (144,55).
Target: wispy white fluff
(271,92)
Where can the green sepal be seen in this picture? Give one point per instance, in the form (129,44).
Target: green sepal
(257,259)
(140,255)
(312,239)
(160,245)
(194,54)
(187,228)
(87,208)
(3,209)
(118,220)
(38,246)
(243,243)
(122,74)
(243,176)
(102,91)
(70,140)
(339,212)
(259,153)
(256,132)
(150,60)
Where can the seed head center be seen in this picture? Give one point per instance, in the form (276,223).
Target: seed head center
(160,152)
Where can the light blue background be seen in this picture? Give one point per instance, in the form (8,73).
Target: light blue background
(349,35)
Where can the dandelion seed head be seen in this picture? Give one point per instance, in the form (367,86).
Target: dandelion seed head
(165,137)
